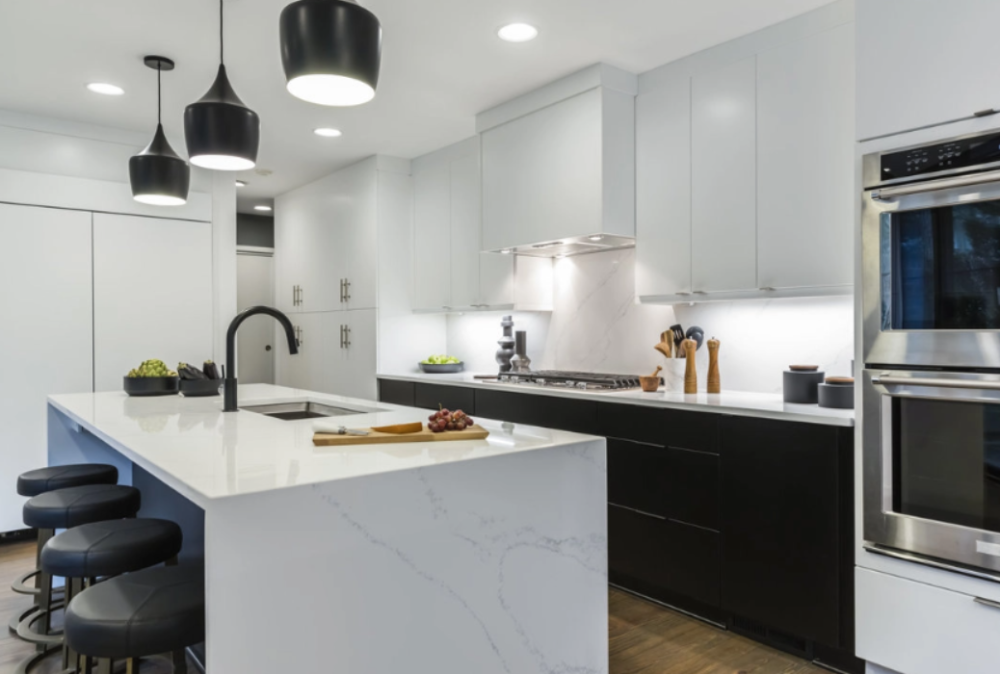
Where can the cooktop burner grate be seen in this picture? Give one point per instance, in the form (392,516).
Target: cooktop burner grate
(580,380)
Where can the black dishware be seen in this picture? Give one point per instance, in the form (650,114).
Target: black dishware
(150,386)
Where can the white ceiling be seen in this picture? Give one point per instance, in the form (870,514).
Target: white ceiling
(441,64)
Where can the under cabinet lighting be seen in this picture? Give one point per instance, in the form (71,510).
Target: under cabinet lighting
(262,207)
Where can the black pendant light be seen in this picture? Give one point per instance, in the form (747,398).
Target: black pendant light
(158,176)
(222,133)
(331,51)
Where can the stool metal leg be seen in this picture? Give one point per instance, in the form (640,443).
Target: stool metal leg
(74,586)
(180,662)
(132,666)
(105,666)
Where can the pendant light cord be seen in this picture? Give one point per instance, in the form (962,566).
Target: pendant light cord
(159,99)
(221,35)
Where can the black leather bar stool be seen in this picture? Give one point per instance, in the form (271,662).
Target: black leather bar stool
(86,553)
(35,482)
(64,509)
(139,615)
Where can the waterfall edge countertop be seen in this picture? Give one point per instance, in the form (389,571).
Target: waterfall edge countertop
(205,454)
(737,403)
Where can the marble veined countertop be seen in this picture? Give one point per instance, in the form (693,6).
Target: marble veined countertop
(205,454)
(738,403)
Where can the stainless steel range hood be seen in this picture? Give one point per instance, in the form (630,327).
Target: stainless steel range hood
(568,247)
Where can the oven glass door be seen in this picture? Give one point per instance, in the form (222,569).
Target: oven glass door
(941,268)
(946,461)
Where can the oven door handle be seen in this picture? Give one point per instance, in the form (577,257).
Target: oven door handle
(937,383)
(890,193)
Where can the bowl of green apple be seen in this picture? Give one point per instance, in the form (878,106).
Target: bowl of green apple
(441,365)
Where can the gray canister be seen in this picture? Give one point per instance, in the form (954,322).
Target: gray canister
(801,384)
(838,393)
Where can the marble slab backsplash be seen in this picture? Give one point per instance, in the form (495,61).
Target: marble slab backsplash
(596,326)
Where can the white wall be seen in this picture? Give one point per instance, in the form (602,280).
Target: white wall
(597,326)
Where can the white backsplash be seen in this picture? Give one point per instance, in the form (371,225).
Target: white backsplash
(596,326)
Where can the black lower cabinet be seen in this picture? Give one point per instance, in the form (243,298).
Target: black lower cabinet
(435,396)
(396,392)
(781,525)
(564,414)
(675,563)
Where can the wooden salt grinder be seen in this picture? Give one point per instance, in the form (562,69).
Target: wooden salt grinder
(714,381)
(690,373)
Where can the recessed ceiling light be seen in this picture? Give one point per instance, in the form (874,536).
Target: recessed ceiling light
(105,88)
(596,237)
(241,183)
(505,251)
(518,32)
(262,207)
(327,132)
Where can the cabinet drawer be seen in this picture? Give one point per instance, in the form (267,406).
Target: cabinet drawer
(692,490)
(671,428)
(661,558)
(430,396)
(921,629)
(396,392)
(537,410)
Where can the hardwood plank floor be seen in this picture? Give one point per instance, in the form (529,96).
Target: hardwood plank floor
(645,638)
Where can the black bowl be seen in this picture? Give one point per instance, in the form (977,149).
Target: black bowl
(150,386)
(194,388)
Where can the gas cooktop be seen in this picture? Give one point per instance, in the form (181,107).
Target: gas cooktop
(579,380)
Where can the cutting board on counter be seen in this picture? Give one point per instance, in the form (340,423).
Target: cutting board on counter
(477,432)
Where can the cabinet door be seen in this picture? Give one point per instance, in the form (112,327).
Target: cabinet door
(805,162)
(542,174)
(396,392)
(290,235)
(922,63)
(663,189)
(723,175)
(312,247)
(466,239)
(47,335)
(780,523)
(432,238)
(354,376)
(496,280)
(310,368)
(359,214)
(152,294)
(435,396)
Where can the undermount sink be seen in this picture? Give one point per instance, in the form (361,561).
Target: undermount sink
(298,411)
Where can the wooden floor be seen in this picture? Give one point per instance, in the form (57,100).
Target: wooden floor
(645,638)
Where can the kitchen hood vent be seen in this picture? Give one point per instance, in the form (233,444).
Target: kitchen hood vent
(579,245)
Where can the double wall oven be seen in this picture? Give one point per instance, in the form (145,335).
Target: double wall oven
(931,324)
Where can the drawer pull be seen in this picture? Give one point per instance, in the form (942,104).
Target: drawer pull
(987,602)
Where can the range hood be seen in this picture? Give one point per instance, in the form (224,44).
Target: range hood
(568,247)
(558,167)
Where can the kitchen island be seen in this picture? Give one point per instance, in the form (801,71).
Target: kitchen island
(471,556)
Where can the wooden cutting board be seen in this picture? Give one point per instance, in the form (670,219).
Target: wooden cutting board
(477,432)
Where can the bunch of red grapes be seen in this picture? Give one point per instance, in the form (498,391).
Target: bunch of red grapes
(445,420)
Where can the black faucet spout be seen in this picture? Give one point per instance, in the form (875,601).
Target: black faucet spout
(230,383)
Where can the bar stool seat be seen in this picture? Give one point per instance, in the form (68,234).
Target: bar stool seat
(139,614)
(73,506)
(35,482)
(110,548)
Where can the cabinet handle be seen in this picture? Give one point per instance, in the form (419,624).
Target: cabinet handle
(295,296)
(341,291)
(985,113)
(347,337)
(700,292)
(301,293)
(342,335)
(682,294)
(766,288)
(298,335)
(347,290)
(987,602)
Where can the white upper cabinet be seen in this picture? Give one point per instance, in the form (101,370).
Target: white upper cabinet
(805,162)
(449,272)
(745,166)
(558,163)
(663,188)
(152,294)
(47,309)
(923,62)
(432,237)
(723,179)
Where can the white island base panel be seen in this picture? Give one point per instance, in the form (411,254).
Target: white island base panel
(497,565)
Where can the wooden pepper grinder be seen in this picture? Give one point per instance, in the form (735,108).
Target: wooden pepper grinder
(690,373)
(714,381)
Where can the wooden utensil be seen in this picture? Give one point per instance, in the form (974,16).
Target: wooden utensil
(374,437)
(651,383)
(714,380)
(666,345)
(400,429)
(678,333)
(690,372)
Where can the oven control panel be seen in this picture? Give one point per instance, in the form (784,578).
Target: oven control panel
(965,153)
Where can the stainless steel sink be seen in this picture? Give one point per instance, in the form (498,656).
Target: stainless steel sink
(303,410)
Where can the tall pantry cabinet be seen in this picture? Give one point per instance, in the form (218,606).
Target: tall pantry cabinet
(334,240)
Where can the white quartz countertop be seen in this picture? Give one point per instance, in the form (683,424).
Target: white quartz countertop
(205,454)
(738,403)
